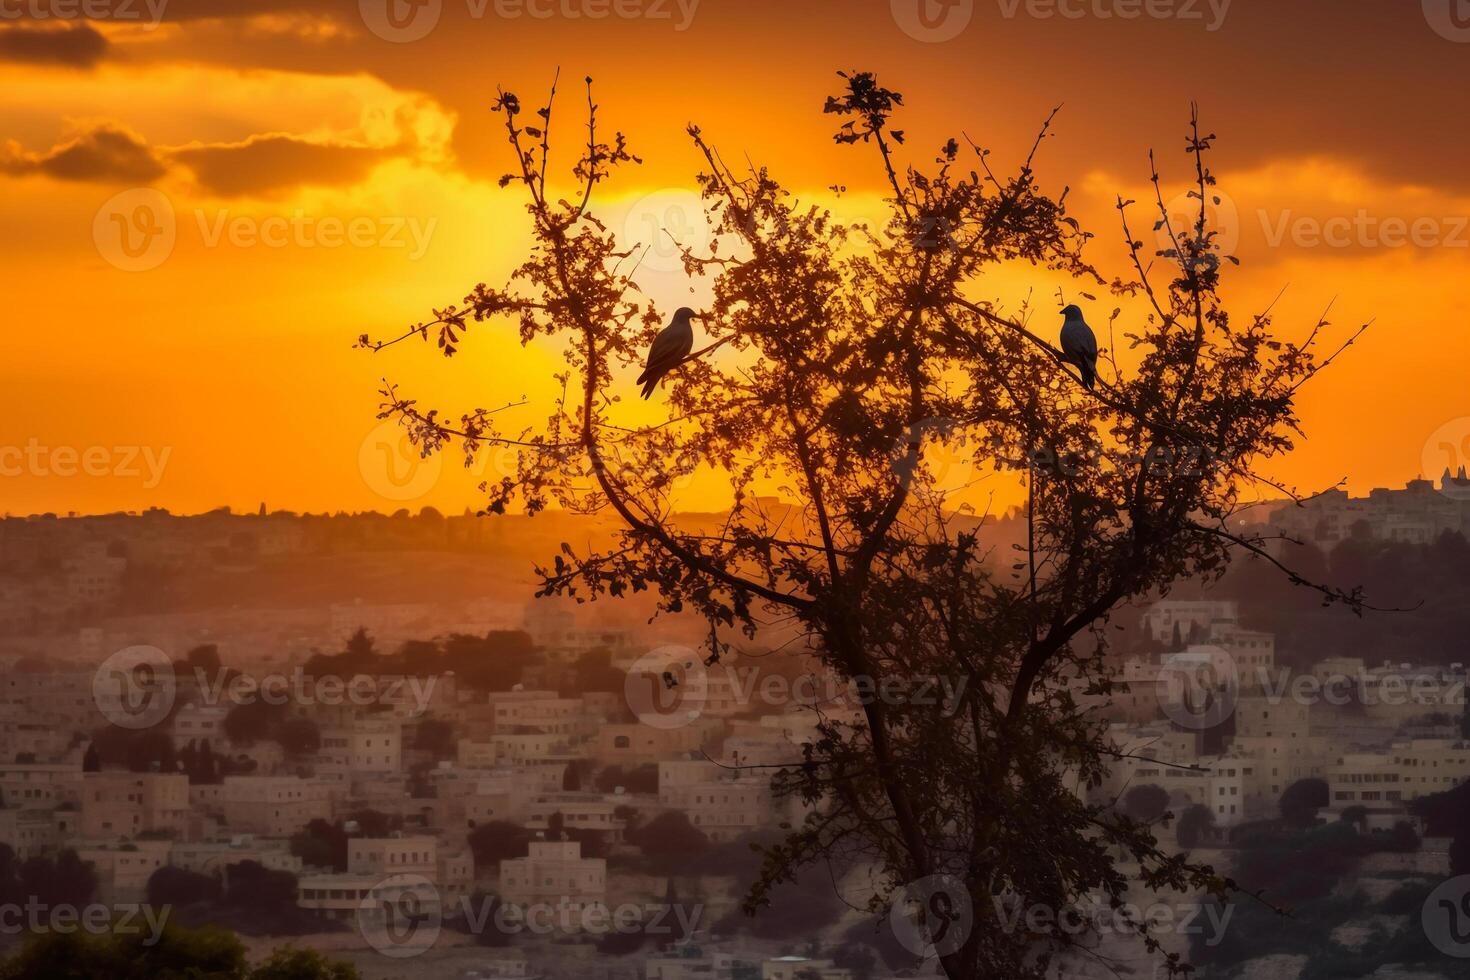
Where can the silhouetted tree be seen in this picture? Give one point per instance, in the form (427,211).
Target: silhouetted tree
(251,885)
(1146,803)
(1301,800)
(169,886)
(843,361)
(496,840)
(1194,824)
(668,838)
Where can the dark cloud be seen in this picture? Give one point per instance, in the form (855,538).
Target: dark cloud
(106,154)
(265,164)
(77,47)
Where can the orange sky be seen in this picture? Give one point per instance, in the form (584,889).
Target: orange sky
(300,179)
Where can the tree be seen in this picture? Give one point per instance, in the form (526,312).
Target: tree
(1357,816)
(843,361)
(253,721)
(594,671)
(643,779)
(1146,803)
(321,845)
(299,736)
(1460,855)
(251,885)
(669,838)
(63,880)
(486,921)
(1301,800)
(170,886)
(496,840)
(1195,824)
(436,737)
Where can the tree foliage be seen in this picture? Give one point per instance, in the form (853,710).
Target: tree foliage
(842,357)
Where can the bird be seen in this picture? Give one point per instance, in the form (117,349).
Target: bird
(670,347)
(1079,344)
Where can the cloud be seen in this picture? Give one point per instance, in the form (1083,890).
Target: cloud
(104,154)
(77,47)
(269,163)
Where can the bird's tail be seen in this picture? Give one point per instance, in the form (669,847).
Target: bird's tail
(648,388)
(1089,374)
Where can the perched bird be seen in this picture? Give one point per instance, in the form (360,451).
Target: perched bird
(1079,344)
(671,346)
